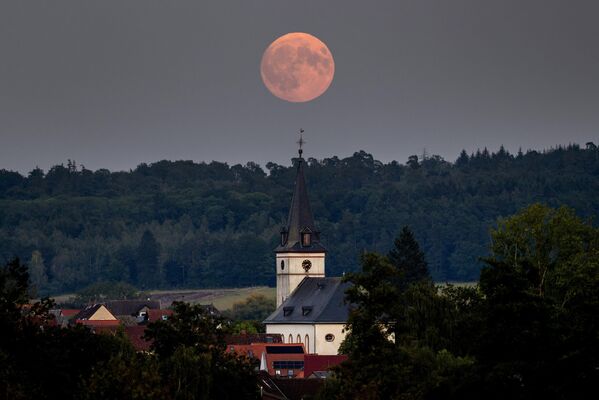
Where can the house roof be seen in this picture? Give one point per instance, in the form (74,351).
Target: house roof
(315,300)
(136,336)
(98,322)
(131,307)
(321,363)
(157,315)
(87,312)
(67,312)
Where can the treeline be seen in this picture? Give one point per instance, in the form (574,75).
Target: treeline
(185,224)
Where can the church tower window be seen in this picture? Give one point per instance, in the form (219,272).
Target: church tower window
(282,265)
(306,239)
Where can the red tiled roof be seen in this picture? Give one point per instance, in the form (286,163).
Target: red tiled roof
(315,362)
(101,322)
(135,335)
(68,312)
(156,315)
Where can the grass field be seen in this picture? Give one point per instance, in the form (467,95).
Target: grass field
(223,299)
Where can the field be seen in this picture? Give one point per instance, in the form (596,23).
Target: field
(222,299)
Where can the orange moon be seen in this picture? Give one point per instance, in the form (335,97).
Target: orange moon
(297,67)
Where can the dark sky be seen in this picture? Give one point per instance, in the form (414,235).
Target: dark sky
(113,83)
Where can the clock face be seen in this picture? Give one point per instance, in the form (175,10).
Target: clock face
(306,264)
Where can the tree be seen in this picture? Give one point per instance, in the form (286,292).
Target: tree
(37,270)
(537,325)
(394,341)
(408,259)
(146,266)
(192,350)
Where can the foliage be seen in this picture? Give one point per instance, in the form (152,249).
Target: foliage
(192,343)
(43,361)
(255,308)
(528,330)
(408,259)
(215,225)
(104,291)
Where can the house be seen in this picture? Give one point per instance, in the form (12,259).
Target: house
(310,306)
(95,315)
(278,359)
(318,366)
(131,312)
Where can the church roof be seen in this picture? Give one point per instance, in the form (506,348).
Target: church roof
(300,218)
(315,300)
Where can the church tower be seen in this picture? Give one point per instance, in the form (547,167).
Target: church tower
(300,254)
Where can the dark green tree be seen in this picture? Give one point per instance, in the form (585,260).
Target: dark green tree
(193,356)
(408,259)
(146,264)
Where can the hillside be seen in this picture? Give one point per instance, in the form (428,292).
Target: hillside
(184,224)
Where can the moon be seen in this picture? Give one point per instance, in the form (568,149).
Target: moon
(297,67)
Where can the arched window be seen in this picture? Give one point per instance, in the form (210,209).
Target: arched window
(290,338)
(307,343)
(299,338)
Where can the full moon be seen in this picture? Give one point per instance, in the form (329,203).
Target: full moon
(297,67)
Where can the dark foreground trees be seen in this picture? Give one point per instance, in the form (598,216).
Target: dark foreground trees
(528,330)
(42,361)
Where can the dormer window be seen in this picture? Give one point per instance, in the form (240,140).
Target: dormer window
(306,239)
(287,311)
(306,310)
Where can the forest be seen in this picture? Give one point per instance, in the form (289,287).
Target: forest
(185,224)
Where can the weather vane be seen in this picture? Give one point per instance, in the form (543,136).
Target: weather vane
(301,142)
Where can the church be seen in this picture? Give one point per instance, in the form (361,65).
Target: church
(310,305)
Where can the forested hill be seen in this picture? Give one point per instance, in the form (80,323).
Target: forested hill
(206,225)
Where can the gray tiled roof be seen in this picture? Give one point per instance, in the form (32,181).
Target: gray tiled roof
(315,300)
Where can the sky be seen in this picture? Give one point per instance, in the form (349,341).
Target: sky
(114,83)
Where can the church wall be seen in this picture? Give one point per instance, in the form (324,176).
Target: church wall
(294,330)
(329,348)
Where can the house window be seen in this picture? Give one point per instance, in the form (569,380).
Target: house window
(329,337)
(306,310)
(290,373)
(306,240)
(282,265)
(288,365)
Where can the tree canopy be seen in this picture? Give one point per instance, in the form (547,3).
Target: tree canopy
(527,330)
(186,224)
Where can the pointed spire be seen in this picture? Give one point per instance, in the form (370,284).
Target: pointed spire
(300,220)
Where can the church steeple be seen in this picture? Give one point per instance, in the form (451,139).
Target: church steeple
(300,254)
(300,234)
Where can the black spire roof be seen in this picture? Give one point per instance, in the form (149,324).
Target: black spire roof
(300,220)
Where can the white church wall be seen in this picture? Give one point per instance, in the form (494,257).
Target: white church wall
(294,330)
(325,347)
